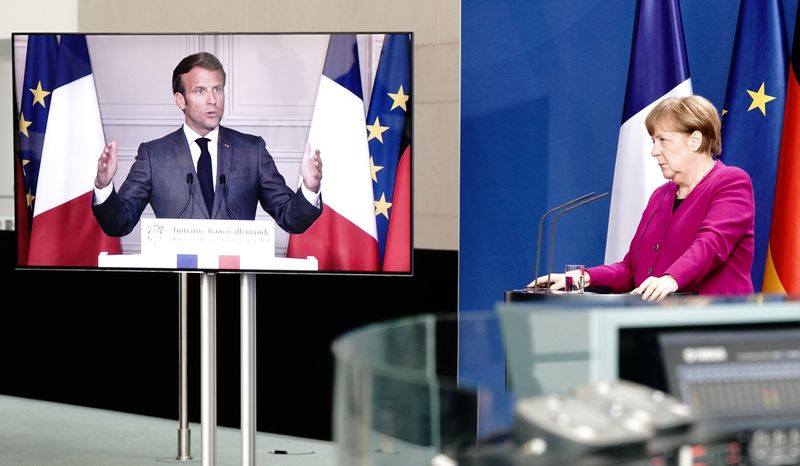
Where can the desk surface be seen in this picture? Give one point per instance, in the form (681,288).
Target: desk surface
(40,433)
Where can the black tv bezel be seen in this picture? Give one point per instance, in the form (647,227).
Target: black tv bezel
(15,112)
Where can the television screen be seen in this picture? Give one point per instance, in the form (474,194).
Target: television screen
(214,152)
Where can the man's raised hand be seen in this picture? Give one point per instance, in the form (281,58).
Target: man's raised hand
(106,166)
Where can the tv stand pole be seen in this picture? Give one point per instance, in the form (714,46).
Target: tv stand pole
(247,293)
(184,432)
(208,369)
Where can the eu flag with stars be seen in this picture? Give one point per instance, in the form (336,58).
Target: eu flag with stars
(389,127)
(752,118)
(38,82)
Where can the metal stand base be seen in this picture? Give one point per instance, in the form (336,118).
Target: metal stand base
(177,460)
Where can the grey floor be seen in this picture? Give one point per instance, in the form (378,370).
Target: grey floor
(39,433)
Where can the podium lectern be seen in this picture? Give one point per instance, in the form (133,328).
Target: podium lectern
(522,295)
(186,244)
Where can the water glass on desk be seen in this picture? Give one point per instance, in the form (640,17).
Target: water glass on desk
(573,278)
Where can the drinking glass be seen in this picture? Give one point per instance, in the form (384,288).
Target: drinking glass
(573,277)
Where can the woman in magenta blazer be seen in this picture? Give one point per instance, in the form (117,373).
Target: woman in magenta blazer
(696,233)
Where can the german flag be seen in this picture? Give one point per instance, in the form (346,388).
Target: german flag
(782,271)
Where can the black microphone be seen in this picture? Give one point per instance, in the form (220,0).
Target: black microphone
(541,224)
(189,181)
(553,231)
(222,180)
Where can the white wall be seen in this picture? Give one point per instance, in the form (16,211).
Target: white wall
(22,16)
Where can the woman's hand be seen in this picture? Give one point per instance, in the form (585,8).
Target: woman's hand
(558,280)
(656,289)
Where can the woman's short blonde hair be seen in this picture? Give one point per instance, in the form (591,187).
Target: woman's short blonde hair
(687,115)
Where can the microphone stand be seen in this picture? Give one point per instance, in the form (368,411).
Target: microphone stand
(223,180)
(189,181)
(553,231)
(541,224)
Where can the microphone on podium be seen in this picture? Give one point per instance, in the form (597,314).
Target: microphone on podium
(189,181)
(553,229)
(563,208)
(223,180)
(541,224)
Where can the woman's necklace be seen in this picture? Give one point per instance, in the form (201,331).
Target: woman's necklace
(681,193)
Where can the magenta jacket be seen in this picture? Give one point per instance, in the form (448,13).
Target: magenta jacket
(706,244)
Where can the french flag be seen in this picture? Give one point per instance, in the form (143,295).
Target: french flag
(64,231)
(344,237)
(659,68)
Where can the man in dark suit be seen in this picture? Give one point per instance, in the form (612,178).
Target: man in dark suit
(204,170)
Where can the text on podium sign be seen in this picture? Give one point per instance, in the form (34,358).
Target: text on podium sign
(199,236)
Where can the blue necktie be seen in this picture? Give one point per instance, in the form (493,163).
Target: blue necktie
(204,174)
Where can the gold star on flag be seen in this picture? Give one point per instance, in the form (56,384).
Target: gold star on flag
(382,207)
(39,94)
(374,169)
(760,99)
(399,99)
(724,111)
(376,130)
(30,198)
(25,163)
(23,124)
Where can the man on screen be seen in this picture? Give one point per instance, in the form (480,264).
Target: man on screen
(204,170)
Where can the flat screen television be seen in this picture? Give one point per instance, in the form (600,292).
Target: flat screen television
(280,97)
